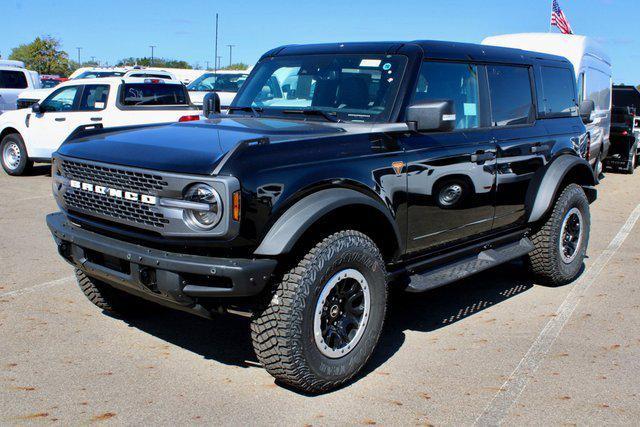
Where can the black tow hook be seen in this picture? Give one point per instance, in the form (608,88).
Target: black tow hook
(64,249)
(148,278)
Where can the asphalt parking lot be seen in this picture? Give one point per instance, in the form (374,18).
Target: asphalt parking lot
(490,349)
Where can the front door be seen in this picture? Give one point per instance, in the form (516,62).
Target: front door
(451,175)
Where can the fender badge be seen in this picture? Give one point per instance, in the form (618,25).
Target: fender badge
(398,166)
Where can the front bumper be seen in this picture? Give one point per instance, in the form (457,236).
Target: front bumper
(177,280)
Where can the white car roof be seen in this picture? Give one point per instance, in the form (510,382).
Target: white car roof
(571,46)
(114,80)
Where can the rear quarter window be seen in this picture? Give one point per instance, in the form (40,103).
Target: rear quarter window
(559,92)
(13,80)
(153,94)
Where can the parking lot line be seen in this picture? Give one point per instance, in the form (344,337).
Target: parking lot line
(513,387)
(38,287)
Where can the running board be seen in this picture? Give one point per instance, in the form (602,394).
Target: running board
(467,266)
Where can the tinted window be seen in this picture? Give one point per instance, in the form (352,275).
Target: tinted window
(455,82)
(142,94)
(219,82)
(60,100)
(97,74)
(354,87)
(559,94)
(511,100)
(94,97)
(13,80)
(626,97)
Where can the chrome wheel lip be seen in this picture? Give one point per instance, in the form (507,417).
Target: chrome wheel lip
(564,230)
(11,155)
(340,276)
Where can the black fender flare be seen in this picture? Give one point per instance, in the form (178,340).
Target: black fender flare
(544,187)
(298,218)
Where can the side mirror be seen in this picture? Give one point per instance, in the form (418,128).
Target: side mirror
(35,107)
(587,107)
(211,104)
(432,116)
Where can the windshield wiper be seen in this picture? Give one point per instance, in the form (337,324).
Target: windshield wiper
(330,116)
(255,110)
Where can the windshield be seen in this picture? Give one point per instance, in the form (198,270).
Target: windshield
(358,88)
(97,74)
(218,82)
(49,83)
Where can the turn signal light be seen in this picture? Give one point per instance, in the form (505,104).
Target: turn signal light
(236,206)
(189,118)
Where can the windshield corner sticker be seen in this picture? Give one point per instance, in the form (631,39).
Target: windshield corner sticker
(470,109)
(370,63)
(386,66)
(448,117)
(98,105)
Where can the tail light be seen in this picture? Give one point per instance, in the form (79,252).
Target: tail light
(189,118)
(153,81)
(625,133)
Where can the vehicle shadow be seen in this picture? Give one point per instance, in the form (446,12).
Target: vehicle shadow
(226,339)
(40,170)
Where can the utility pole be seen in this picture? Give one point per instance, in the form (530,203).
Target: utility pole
(230,46)
(93,59)
(79,62)
(207,65)
(152,48)
(215,53)
(219,62)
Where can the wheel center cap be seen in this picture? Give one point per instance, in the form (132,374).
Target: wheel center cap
(334,311)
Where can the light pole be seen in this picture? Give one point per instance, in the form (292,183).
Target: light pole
(207,65)
(230,46)
(152,48)
(79,62)
(219,62)
(215,53)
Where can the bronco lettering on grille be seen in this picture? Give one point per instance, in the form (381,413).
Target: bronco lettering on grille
(113,192)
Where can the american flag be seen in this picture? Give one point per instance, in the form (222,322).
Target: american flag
(559,20)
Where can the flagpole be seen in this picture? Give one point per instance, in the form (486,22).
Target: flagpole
(549,17)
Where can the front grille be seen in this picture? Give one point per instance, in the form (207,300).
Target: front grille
(111,207)
(112,177)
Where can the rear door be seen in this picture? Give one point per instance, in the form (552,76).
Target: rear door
(12,82)
(451,175)
(523,144)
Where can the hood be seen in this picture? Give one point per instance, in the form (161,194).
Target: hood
(192,147)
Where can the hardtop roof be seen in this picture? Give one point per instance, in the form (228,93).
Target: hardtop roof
(432,49)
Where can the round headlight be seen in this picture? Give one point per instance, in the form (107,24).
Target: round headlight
(207,217)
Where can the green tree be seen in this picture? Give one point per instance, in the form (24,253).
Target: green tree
(236,66)
(43,55)
(157,62)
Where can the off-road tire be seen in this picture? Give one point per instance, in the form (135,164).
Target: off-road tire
(545,260)
(25,165)
(282,329)
(112,300)
(632,161)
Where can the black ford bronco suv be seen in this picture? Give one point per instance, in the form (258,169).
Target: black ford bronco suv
(340,171)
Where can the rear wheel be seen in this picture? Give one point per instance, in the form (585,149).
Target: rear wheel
(598,167)
(323,320)
(632,160)
(561,240)
(14,155)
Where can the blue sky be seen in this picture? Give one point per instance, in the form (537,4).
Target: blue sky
(183,29)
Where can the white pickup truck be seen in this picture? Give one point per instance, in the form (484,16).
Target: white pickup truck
(14,79)
(32,134)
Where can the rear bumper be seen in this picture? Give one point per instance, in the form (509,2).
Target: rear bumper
(177,280)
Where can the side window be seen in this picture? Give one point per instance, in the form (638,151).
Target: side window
(559,94)
(581,87)
(13,80)
(94,97)
(61,100)
(598,89)
(457,82)
(511,99)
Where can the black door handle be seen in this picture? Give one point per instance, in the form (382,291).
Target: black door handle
(482,156)
(60,119)
(96,119)
(538,148)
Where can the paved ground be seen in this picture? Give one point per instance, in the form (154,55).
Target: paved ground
(494,348)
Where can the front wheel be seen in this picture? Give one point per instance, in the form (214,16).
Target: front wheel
(561,240)
(323,320)
(14,155)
